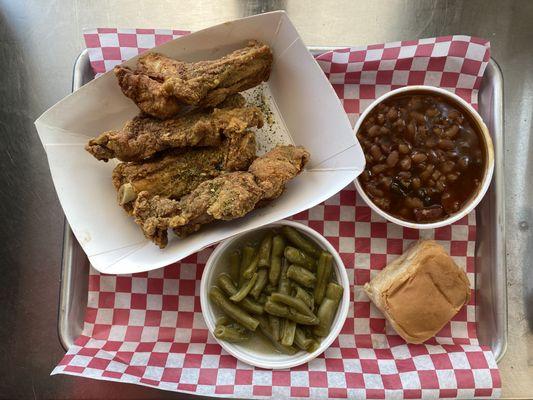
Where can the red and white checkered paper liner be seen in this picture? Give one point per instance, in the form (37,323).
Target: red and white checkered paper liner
(148,328)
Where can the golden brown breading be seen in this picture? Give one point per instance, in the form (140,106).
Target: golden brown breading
(226,197)
(174,174)
(143,136)
(160,85)
(282,164)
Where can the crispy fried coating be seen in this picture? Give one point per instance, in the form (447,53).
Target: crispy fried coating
(143,137)
(175,173)
(161,86)
(225,197)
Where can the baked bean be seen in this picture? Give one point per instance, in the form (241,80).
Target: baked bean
(441,155)
(451,132)
(385,182)
(403,148)
(374,191)
(373,131)
(447,166)
(445,144)
(379,168)
(385,144)
(399,125)
(404,174)
(411,131)
(455,116)
(393,158)
(419,158)
(413,202)
(392,115)
(438,131)
(384,130)
(376,153)
(424,160)
(418,117)
(452,177)
(440,186)
(432,141)
(432,112)
(425,175)
(383,203)
(405,163)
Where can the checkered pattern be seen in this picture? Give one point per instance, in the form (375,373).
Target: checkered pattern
(148,328)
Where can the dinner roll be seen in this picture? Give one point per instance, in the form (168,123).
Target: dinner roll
(420,291)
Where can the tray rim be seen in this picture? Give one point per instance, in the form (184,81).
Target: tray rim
(69,241)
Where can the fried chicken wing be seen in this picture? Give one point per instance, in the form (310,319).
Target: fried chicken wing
(177,172)
(143,136)
(160,86)
(228,196)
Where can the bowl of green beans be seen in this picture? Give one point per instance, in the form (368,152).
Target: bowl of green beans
(275,297)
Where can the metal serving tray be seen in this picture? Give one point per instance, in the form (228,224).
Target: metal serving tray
(490,246)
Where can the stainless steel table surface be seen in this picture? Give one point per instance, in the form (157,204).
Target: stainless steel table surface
(39,41)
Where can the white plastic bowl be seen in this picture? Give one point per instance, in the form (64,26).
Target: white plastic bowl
(486,142)
(216,264)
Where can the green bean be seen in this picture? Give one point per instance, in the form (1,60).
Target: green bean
(270,289)
(251,268)
(300,241)
(232,310)
(247,257)
(301,276)
(301,340)
(230,334)
(225,283)
(264,251)
(278,246)
(292,302)
(323,276)
(223,320)
(313,346)
(260,283)
(305,296)
(281,310)
(328,309)
(244,289)
(262,299)
(297,256)
(284,285)
(266,330)
(287,336)
(235,265)
(275,325)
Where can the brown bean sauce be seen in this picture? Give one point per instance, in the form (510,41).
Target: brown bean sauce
(424,159)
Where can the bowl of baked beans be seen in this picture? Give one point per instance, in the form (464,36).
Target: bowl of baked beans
(429,157)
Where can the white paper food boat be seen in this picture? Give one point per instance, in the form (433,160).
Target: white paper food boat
(306,112)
